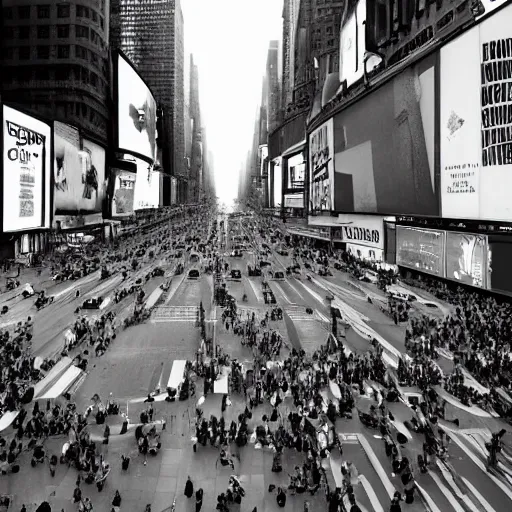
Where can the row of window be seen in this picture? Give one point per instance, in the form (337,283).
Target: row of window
(57,73)
(43,32)
(63,51)
(63,11)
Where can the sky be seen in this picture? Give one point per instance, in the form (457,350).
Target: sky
(229,40)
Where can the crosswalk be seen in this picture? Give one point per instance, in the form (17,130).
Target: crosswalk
(175,314)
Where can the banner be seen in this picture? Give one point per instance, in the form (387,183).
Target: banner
(476,127)
(360,230)
(466,256)
(124,193)
(278,186)
(294,201)
(384,147)
(147,187)
(296,168)
(321,165)
(26,171)
(136,112)
(420,249)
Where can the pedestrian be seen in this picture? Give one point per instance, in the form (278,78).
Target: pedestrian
(23,508)
(106,434)
(199,499)
(189,488)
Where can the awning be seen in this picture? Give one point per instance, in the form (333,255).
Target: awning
(7,419)
(73,373)
(295,148)
(52,376)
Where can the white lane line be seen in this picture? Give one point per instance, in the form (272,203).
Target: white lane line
(312,293)
(487,506)
(281,291)
(295,289)
(259,295)
(447,494)
(456,489)
(429,501)
(372,496)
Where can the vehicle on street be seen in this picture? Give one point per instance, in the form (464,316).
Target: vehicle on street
(278,276)
(193,274)
(92,303)
(236,275)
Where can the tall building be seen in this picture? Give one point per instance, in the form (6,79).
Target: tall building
(273,87)
(196,164)
(55,61)
(151,34)
(290,20)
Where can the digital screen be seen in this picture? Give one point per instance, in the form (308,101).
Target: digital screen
(147,187)
(26,159)
(321,159)
(420,249)
(136,112)
(498,261)
(384,147)
(278,186)
(296,171)
(124,192)
(466,256)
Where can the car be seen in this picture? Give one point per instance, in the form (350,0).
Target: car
(269,297)
(92,303)
(193,274)
(236,274)
(237,253)
(370,277)
(264,263)
(282,252)
(279,276)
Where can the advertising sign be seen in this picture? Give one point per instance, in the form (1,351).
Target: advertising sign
(420,249)
(136,113)
(278,186)
(294,201)
(147,187)
(26,171)
(296,171)
(321,165)
(483,8)
(124,193)
(353,43)
(360,230)
(387,166)
(365,253)
(466,256)
(498,263)
(476,127)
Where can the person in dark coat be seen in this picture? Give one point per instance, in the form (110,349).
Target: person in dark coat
(189,488)
(199,499)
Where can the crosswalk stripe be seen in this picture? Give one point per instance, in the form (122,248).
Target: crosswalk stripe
(372,496)
(458,492)
(295,289)
(427,499)
(281,292)
(478,495)
(312,293)
(447,493)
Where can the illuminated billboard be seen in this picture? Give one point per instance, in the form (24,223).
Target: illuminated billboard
(384,147)
(476,126)
(353,44)
(296,169)
(26,171)
(466,256)
(147,187)
(421,249)
(278,186)
(498,260)
(124,192)
(136,113)
(321,167)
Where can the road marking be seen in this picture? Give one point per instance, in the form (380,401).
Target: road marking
(312,293)
(429,501)
(455,488)
(447,494)
(259,295)
(372,496)
(281,291)
(478,496)
(295,289)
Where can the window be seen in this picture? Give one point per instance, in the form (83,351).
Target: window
(43,11)
(63,31)
(24,12)
(43,32)
(84,76)
(43,52)
(82,32)
(8,52)
(7,13)
(24,52)
(63,11)
(24,32)
(63,51)
(94,79)
(94,58)
(42,74)
(80,52)
(102,23)
(82,12)
(94,16)
(61,73)
(9,32)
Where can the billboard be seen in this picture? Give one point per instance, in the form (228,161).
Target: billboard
(476,126)
(147,187)
(466,256)
(384,147)
(79,175)
(26,171)
(136,112)
(294,201)
(421,249)
(498,260)
(321,166)
(296,169)
(124,192)
(483,8)
(353,43)
(360,230)
(278,186)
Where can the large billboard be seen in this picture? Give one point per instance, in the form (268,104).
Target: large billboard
(124,193)
(353,44)
(136,113)
(26,171)
(147,187)
(296,168)
(321,167)
(498,259)
(466,256)
(483,8)
(384,150)
(476,125)
(421,249)
(278,186)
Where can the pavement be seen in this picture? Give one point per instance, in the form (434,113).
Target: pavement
(142,357)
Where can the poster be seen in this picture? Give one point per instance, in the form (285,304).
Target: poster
(136,111)
(384,147)
(476,127)
(147,187)
(482,8)
(321,165)
(124,192)
(420,249)
(26,164)
(466,256)
(296,168)
(278,186)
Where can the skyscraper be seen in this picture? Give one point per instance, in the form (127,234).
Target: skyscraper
(151,34)
(196,165)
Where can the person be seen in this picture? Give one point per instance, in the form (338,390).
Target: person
(44,507)
(189,488)
(116,502)
(395,505)
(281,497)
(199,499)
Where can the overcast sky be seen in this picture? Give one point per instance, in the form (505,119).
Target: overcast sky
(229,40)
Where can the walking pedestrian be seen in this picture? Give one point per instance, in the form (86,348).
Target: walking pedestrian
(199,499)
(189,488)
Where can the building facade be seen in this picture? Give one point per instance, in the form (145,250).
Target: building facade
(55,62)
(151,34)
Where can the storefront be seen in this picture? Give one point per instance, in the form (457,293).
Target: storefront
(293,178)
